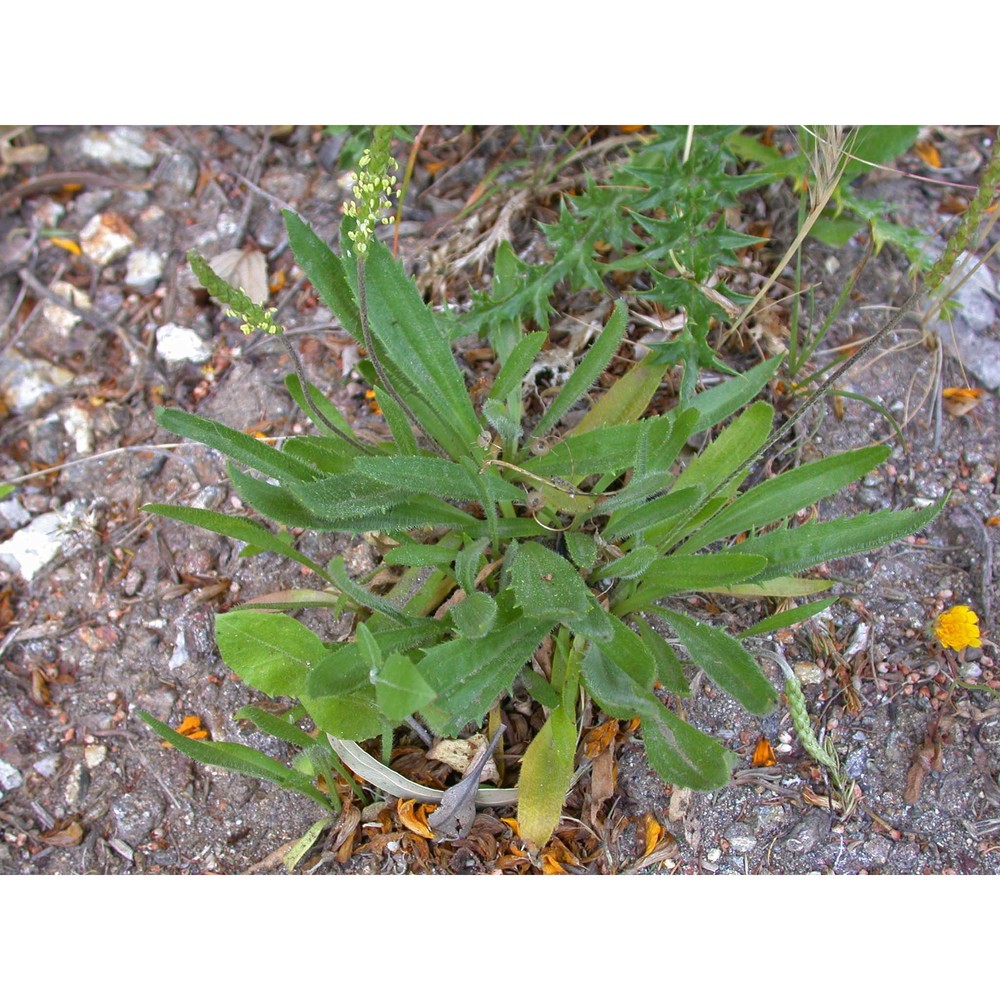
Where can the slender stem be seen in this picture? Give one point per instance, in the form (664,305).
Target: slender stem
(316,415)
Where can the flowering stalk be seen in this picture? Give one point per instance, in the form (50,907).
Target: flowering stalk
(372,186)
(373,183)
(256,317)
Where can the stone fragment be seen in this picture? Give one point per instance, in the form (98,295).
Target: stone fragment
(59,319)
(29,385)
(143,270)
(28,550)
(10,777)
(175,344)
(123,146)
(106,237)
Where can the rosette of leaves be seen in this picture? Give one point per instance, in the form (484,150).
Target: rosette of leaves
(499,543)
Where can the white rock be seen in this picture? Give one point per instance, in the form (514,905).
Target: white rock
(10,777)
(144,270)
(79,426)
(28,550)
(47,214)
(62,320)
(124,146)
(180,343)
(29,384)
(95,754)
(106,237)
(47,766)
(13,514)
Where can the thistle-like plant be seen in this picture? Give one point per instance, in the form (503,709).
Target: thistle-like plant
(502,529)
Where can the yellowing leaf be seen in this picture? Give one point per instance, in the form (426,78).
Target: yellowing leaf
(928,152)
(546,775)
(958,400)
(70,245)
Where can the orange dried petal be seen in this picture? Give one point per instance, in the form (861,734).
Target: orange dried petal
(598,739)
(928,152)
(413,816)
(654,833)
(763,754)
(192,727)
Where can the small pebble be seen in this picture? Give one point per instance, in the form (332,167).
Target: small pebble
(741,838)
(175,344)
(10,777)
(143,270)
(95,755)
(124,146)
(106,237)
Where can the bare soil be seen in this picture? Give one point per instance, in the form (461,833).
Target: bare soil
(121,619)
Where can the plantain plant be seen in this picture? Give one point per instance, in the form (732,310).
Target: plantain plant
(503,529)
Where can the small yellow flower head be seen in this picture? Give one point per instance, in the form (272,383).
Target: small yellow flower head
(373,185)
(957,628)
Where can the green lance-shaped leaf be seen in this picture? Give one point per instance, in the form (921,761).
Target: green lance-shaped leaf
(602,451)
(276,503)
(545,779)
(275,725)
(737,443)
(795,549)
(319,402)
(270,652)
(239,758)
(658,513)
(518,362)
(725,661)
(680,753)
(436,476)
(783,619)
(680,574)
(405,329)
(683,755)
(787,493)
(723,400)
(669,671)
(244,448)
(586,373)
(241,528)
(325,271)
(400,688)
(469,674)
(360,595)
